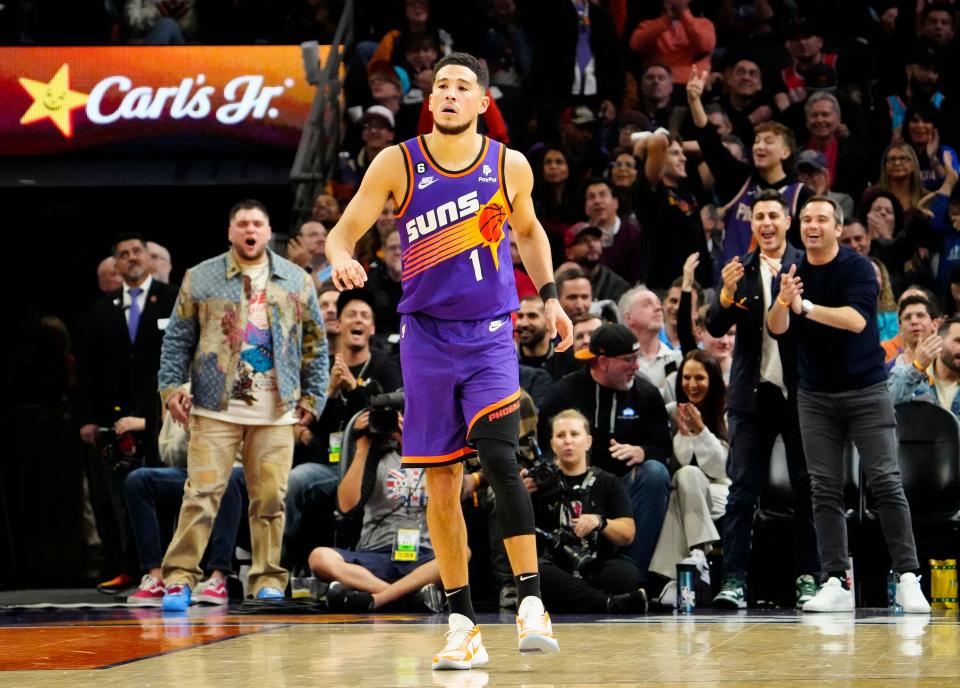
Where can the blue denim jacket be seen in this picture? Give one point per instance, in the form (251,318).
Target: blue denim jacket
(906,383)
(205,335)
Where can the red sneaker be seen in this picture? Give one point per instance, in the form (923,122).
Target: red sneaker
(149,594)
(213,591)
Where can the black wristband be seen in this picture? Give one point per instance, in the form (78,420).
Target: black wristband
(308,269)
(549,291)
(603,524)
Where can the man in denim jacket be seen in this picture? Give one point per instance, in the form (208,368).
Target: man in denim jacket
(934,374)
(247,333)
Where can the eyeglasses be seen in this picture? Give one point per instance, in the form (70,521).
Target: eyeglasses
(628,164)
(898,158)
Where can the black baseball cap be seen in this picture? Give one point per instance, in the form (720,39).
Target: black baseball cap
(610,340)
(360,294)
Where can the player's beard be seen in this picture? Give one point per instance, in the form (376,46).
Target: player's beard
(454,130)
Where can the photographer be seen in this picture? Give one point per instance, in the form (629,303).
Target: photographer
(584,515)
(394,556)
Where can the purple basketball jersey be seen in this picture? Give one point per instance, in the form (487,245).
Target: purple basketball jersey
(454,236)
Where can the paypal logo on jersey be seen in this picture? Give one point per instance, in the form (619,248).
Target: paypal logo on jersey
(440,217)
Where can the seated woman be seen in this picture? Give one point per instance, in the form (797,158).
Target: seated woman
(700,485)
(586,517)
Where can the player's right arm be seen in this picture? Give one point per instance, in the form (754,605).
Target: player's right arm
(383,177)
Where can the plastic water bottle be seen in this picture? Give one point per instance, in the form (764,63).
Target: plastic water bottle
(892,580)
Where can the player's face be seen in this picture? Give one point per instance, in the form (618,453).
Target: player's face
(570,440)
(769,222)
(819,229)
(356,324)
(456,100)
(531,324)
(249,233)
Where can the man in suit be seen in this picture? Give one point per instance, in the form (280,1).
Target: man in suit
(761,400)
(119,357)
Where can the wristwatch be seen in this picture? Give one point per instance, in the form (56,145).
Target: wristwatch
(806,306)
(603,524)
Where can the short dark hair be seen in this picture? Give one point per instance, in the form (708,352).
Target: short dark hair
(589,316)
(771,195)
(592,181)
(249,204)
(470,62)
(126,236)
(947,322)
(915,300)
(823,198)
(357,294)
(571,274)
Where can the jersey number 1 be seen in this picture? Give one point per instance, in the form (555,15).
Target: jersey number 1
(475,259)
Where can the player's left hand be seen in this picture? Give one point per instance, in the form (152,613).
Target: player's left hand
(558,323)
(348,274)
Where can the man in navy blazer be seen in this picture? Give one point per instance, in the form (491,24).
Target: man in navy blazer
(761,400)
(118,358)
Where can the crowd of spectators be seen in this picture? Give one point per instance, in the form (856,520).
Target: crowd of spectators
(654,130)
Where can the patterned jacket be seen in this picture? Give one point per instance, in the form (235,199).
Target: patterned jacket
(205,335)
(906,383)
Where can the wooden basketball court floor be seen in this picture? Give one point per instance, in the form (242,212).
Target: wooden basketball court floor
(217,647)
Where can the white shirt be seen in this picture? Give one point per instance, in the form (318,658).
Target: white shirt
(610,232)
(946,391)
(655,369)
(141,297)
(771,368)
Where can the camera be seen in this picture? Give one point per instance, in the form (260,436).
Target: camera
(545,473)
(118,451)
(567,550)
(385,413)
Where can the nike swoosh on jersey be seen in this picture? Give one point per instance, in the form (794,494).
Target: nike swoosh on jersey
(497,324)
(425,182)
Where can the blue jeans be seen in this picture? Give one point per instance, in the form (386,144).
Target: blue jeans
(165,31)
(308,484)
(648,485)
(145,488)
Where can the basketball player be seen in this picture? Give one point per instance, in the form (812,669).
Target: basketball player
(457,195)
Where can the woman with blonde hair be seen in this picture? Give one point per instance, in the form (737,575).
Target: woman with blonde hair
(900,175)
(886,304)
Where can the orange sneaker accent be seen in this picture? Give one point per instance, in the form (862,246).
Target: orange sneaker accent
(535,634)
(464,648)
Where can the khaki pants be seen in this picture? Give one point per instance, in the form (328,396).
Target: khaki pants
(267,453)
